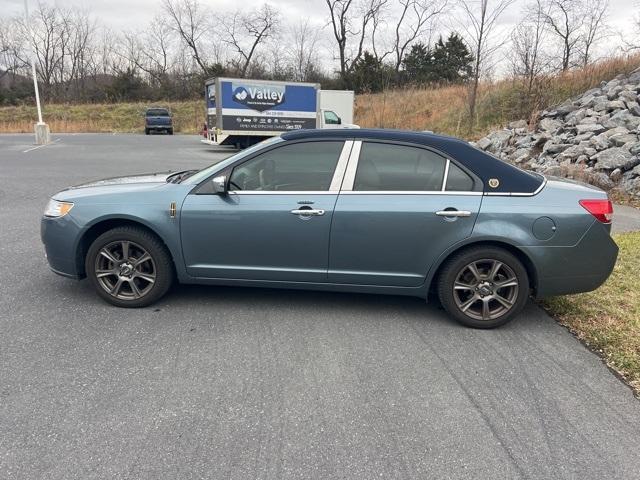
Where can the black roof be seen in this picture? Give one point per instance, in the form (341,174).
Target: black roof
(511,179)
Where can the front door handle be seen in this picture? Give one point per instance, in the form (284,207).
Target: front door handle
(308,212)
(453,213)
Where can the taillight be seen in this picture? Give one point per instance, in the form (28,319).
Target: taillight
(601,209)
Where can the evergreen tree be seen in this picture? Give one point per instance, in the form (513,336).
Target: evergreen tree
(447,62)
(418,64)
(370,75)
(452,59)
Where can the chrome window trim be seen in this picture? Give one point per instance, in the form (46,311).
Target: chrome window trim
(446,176)
(341,166)
(352,166)
(282,192)
(409,192)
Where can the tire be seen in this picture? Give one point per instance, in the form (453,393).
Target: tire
(146,131)
(135,284)
(170,131)
(478,297)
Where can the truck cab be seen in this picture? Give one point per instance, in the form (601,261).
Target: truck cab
(330,119)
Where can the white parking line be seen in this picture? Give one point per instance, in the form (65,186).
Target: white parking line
(40,146)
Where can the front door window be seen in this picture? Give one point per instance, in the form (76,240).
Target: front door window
(300,167)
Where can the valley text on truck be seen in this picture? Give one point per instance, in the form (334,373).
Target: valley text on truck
(241,112)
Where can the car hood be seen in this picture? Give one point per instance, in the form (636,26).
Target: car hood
(139,188)
(160,177)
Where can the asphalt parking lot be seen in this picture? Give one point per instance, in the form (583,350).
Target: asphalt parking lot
(264,384)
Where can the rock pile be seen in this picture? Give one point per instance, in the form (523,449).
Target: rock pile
(594,137)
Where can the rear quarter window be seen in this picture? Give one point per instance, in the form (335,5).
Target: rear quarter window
(458,180)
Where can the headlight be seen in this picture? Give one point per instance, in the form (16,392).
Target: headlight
(57,209)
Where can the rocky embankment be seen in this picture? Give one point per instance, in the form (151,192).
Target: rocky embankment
(593,137)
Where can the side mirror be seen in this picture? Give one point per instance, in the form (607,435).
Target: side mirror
(220,184)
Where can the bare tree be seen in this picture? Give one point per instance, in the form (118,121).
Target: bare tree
(42,37)
(107,57)
(245,32)
(564,19)
(594,18)
(415,19)
(12,49)
(478,21)
(189,21)
(527,39)
(151,52)
(343,16)
(77,36)
(303,56)
(630,44)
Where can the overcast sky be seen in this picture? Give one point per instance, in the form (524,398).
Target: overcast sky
(133,14)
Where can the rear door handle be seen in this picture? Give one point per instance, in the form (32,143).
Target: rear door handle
(308,212)
(453,213)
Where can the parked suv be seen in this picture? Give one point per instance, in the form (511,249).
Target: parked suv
(158,120)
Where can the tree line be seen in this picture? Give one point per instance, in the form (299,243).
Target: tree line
(374,45)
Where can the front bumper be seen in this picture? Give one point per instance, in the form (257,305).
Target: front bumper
(575,269)
(59,236)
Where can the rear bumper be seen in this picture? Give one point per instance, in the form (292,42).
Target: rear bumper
(579,268)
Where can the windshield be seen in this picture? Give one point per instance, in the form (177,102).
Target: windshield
(205,172)
(157,112)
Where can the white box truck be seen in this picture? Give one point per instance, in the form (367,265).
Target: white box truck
(241,112)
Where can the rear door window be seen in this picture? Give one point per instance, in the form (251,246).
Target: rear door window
(392,167)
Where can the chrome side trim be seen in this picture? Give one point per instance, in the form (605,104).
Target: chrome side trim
(451,193)
(341,166)
(518,194)
(281,192)
(446,175)
(350,175)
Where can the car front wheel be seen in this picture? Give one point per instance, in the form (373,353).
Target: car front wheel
(129,267)
(483,287)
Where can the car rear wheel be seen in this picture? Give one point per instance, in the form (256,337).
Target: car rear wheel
(483,287)
(129,267)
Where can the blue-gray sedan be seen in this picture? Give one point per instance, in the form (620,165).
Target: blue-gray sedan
(374,211)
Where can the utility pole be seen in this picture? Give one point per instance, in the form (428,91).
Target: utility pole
(41,128)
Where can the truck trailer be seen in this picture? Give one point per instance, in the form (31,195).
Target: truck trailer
(241,112)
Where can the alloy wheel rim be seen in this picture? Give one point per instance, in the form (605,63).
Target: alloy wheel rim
(485,289)
(125,270)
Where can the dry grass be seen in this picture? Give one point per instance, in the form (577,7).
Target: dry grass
(188,117)
(608,320)
(413,109)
